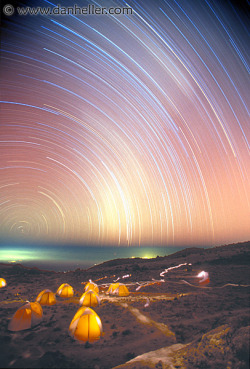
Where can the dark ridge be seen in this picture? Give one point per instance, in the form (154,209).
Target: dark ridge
(189,255)
(242,259)
(186,252)
(18,267)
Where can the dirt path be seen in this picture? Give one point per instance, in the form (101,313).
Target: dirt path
(163,328)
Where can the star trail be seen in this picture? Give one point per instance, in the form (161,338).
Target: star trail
(126,129)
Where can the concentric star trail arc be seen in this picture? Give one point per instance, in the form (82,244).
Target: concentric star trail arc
(129,129)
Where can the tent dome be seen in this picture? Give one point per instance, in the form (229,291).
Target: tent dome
(112,287)
(86,325)
(90,298)
(91,286)
(65,290)
(26,317)
(118,289)
(46,297)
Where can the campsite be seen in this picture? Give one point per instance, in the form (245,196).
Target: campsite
(162,316)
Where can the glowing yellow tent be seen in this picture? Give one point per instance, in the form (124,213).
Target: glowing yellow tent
(2,282)
(118,289)
(90,298)
(26,317)
(86,325)
(65,290)
(46,297)
(80,311)
(91,286)
(112,287)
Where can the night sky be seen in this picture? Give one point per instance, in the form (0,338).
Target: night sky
(126,129)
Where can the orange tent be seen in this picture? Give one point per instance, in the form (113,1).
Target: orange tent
(118,289)
(65,290)
(46,297)
(91,286)
(80,311)
(86,325)
(2,282)
(90,298)
(26,317)
(112,287)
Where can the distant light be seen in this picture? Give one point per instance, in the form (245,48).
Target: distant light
(147,257)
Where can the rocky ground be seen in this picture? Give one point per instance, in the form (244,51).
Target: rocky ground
(165,322)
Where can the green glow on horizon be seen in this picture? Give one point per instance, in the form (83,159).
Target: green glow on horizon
(12,256)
